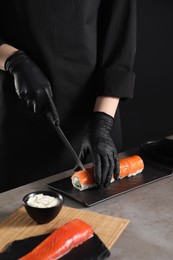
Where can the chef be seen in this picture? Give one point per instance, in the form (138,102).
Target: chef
(81,55)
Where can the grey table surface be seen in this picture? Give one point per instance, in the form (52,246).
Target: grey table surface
(149,235)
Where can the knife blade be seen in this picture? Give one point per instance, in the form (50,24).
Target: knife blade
(55,122)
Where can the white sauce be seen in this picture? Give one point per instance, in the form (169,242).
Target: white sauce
(42,201)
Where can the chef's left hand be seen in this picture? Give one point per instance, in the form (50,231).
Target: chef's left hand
(99,143)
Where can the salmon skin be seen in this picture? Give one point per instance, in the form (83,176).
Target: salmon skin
(61,241)
(129,166)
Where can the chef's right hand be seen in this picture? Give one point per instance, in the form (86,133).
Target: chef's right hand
(31,85)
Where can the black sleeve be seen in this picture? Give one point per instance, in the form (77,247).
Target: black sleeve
(116,48)
(1,40)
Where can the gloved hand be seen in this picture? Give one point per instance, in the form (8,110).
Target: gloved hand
(99,143)
(31,85)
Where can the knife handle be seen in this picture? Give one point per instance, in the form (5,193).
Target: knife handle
(52,114)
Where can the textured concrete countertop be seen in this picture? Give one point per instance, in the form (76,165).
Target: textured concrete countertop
(149,234)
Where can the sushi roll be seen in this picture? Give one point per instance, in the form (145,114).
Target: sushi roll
(129,166)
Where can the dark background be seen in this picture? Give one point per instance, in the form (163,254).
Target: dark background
(149,114)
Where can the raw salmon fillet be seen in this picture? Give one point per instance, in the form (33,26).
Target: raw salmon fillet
(129,166)
(61,241)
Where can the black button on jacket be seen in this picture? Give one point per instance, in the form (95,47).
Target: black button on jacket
(86,48)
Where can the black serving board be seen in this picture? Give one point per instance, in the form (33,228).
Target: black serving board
(92,249)
(93,196)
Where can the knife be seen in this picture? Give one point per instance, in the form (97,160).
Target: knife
(55,122)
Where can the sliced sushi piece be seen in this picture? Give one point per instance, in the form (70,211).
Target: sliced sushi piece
(129,166)
(82,181)
(61,241)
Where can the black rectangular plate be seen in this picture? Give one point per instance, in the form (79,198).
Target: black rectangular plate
(92,196)
(92,249)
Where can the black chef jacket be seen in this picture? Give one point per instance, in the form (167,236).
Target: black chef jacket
(86,48)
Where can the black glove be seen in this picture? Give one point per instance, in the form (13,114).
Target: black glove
(31,85)
(99,143)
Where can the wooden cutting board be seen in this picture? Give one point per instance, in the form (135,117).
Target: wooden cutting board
(19,225)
